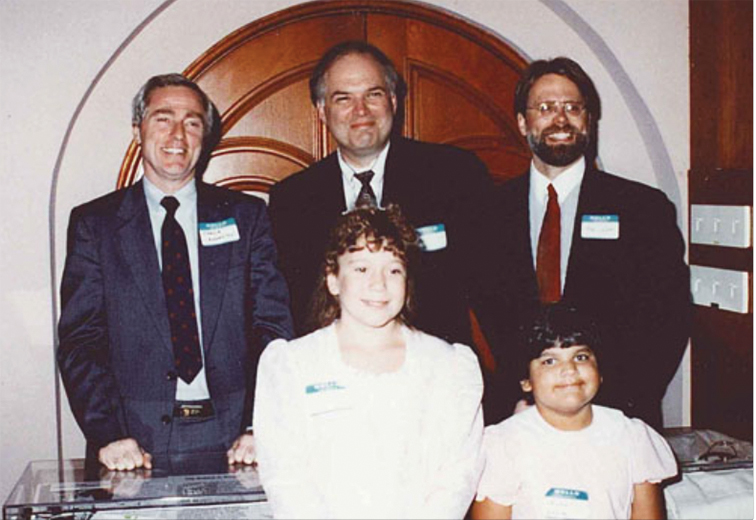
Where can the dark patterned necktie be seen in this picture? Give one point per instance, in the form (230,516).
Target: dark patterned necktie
(179,295)
(549,254)
(366,197)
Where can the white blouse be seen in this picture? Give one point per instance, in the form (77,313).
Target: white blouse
(543,472)
(336,442)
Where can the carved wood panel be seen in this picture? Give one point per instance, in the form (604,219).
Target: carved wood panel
(460,82)
(460,87)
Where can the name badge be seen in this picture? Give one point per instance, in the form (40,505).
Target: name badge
(326,398)
(566,503)
(600,227)
(432,238)
(326,386)
(217,233)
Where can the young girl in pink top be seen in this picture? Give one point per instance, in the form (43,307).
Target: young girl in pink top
(564,457)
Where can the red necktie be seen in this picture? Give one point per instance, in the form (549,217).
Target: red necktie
(549,253)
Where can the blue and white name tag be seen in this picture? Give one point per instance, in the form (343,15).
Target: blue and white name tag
(325,398)
(600,227)
(566,503)
(323,387)
(432,238)
(217,233)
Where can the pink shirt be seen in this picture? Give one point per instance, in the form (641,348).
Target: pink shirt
(543,472)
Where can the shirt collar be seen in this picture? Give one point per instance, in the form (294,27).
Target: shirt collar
(378,167)
(187,195)
(564,184)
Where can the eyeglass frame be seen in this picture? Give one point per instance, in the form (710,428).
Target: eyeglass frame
(554,107)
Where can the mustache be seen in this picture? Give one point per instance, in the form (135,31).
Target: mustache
(554,129)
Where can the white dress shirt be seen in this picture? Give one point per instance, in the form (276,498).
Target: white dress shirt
(567,186)
(352,186)
(186,215)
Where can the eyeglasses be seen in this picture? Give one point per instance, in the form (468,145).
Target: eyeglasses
(551,108)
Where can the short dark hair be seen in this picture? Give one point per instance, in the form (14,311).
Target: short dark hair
(142,100)
(555,325)
(317,79)
(563,67)
(384,230)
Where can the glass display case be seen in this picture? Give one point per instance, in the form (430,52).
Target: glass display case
(197,487)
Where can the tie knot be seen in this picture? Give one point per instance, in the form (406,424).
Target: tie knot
(170,204)
(365,177)
(552,192)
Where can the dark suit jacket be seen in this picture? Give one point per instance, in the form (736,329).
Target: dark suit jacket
(636,287)
(115,353)
(433,184)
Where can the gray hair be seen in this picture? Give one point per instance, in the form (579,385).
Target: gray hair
(142,100)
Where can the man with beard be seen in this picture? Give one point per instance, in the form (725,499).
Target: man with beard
(610,246)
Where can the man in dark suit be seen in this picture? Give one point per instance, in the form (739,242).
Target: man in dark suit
(170,292)
(354,88)
(607,245)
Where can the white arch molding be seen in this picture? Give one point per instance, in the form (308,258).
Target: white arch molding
(646,85)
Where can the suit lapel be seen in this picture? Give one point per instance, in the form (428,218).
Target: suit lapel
(138,248)
(213,262)
(520,215)
(398,178)
(587,201)
(328,199)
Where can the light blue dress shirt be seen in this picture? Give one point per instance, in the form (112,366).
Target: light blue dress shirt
(186,215)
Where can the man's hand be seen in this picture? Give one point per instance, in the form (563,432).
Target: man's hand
(124,484)
(242,450)
(246,475)
(124,454)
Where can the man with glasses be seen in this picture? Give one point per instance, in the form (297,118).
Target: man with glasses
(566,231)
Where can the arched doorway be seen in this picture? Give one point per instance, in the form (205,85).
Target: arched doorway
(460,88)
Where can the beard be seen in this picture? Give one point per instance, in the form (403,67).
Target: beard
(559,154)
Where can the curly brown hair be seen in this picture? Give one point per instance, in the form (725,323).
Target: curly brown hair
(383,230)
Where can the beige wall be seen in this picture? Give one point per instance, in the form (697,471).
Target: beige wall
(65,119)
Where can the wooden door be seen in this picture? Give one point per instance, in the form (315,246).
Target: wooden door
(460,91)
(460,88)
(721,152)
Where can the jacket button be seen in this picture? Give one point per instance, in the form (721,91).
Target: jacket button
(166,419)
(171,375)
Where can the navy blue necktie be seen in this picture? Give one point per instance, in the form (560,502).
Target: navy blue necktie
(179,295)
